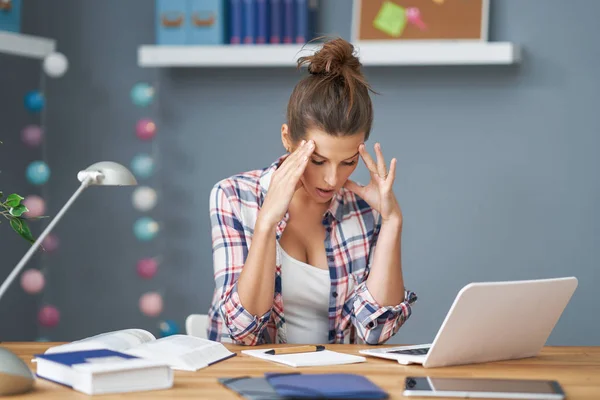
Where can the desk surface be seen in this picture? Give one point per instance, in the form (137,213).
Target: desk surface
(577,369)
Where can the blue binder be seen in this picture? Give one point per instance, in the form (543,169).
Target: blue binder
(276,21)
(301,21)
(10,16)
(249,25)
(262,22)
(235,21)
(289,16)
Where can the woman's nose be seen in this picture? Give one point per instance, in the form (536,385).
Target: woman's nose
(331,177)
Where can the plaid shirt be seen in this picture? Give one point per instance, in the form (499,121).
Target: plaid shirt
(351,229)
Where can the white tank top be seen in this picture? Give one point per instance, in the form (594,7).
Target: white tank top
(305,290)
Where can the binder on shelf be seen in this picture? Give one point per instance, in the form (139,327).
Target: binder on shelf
(313,19)
(171,22)
(262,21)
(10,16)
(190,22)
(301,24)
(235,21)
(249,21)
(276,21)
(205,22)
(288,21)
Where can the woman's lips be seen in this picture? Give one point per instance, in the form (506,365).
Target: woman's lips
(325,193)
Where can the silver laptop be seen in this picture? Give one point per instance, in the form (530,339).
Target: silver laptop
(491,321)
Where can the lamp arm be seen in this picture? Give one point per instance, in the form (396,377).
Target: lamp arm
(84,184)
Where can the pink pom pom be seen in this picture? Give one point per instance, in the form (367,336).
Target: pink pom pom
(32,281)
(32,135)
(151,304)
(36,206)
(146,268)
(48,316)
(145,129)
(50,242)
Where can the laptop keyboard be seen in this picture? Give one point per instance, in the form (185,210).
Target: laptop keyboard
(420,351)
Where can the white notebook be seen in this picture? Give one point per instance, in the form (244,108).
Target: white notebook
(311,359)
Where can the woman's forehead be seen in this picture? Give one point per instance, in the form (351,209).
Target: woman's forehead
(335,147)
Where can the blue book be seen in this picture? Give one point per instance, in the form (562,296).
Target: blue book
(262,21)
(276,21)
(301,21)
(325,386)
(313,19)
(249,24)
(288,21)
(103,371)
(235,21)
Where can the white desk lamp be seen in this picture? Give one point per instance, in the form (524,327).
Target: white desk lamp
(15,375)
(105,173)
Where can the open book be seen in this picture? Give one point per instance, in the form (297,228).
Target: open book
(181,352)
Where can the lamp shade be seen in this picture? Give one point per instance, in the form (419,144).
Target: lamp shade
(107,173)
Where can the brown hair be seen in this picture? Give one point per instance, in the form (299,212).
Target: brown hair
(334,97)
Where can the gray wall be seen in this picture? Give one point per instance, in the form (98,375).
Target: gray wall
(497,172)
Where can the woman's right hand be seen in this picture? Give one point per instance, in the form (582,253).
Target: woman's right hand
(284,183)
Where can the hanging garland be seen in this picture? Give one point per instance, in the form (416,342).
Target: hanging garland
(38,174)
(144,199)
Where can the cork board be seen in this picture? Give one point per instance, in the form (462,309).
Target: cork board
(379,20)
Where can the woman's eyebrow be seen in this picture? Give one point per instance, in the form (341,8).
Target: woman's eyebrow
(320,156)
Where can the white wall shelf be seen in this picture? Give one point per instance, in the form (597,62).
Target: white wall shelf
(26,45)
(371,54)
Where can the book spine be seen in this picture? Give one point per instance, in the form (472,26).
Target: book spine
(275,21)
(288,21)
(313,18)
(301,21)
(235,21)
(249,13)
(262,21)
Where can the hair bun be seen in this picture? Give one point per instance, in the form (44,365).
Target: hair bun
(333,59)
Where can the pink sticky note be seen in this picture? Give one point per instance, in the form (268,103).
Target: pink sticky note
(413,16)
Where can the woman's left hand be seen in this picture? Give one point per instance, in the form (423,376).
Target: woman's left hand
(379,192)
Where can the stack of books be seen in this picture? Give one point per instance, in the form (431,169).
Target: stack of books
(130,360)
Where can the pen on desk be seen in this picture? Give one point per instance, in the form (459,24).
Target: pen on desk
(296,349)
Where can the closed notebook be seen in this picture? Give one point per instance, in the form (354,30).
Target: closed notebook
(310,359)
(325,386)
(251,388)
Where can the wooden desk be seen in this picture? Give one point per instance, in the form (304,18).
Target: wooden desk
(577,369)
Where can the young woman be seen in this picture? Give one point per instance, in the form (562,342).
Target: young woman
(302,254)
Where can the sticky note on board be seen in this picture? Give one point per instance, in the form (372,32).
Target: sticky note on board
(390,19)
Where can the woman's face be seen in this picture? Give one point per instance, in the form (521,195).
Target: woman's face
(331,164)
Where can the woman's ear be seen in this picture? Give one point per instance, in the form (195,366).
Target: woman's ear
(286,140)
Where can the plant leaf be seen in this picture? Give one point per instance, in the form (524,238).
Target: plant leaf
(13,200)
(1,194)
(18,210)
(20,226)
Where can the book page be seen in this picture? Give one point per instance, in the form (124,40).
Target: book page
(183,352)
(117,340)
